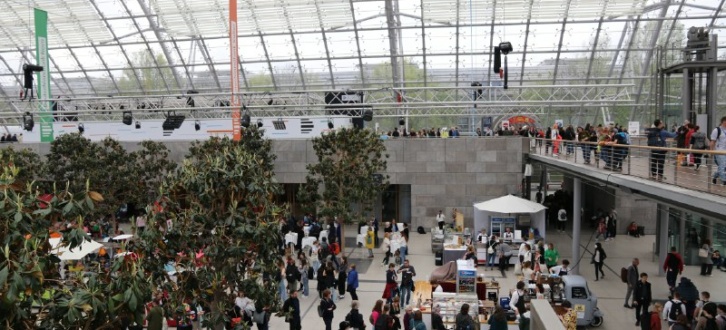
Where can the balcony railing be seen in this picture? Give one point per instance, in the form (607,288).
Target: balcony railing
(674,166)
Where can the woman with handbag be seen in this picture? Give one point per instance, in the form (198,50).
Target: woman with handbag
(705,254)
(327,306)
(598,259)
(491,249)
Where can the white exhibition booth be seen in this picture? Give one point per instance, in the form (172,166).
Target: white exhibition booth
(512,212)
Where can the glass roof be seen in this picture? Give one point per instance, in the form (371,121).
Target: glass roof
(144,47)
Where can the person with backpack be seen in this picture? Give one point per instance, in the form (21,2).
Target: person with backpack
(698,143)
(673,266)
(657,138)
(673,309)
(621,142)
(354,317)
(718,143)
(327,306)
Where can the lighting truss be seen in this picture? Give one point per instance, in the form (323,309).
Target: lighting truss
(416,102)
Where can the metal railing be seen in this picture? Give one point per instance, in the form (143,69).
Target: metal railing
(685,168)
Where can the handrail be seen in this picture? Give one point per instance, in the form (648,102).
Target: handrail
(687,168)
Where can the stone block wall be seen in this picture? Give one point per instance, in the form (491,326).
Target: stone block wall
(443,173)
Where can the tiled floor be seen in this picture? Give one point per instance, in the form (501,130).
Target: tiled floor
(610,291)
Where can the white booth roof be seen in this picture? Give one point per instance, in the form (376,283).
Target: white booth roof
(509,204)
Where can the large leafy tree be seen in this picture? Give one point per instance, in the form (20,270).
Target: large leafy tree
(350,168)
(32,293)
(28,163)
(152,166)
(218,202)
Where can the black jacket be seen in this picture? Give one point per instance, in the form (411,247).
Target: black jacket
(328,304)
(643,294)
(355,319)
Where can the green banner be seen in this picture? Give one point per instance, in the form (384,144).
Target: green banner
(41,47)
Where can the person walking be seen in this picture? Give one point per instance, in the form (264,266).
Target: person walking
(598,259)
(292,306)
(673,267)
(327,306)
(370,241)
(698,143)
(642,297)
(352,282)
(407,273)
(674,309)
(705,254)
(718,143)
(632,281)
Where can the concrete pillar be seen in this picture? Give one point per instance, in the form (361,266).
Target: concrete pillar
(709,228)
(576,221)
(663,237)
(686,96)
(682,233)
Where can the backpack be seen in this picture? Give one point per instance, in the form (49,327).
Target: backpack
(624,275)
(321,310)
(675,310)
(654,138)
(421,230)
(711,324)
(622,138)
(699,140)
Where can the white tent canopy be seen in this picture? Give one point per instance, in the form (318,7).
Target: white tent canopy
(509,204)
(79,252)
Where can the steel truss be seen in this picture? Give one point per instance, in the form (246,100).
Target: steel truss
(417,101)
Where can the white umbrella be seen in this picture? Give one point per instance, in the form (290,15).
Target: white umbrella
(79,252)
(509,204)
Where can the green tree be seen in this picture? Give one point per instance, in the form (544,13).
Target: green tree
(260,82)
(350,168)
(152,166)
(153,73)
(75,160)
(29,165)
(32,293)
(218,202)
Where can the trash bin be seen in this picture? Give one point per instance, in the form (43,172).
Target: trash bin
(641,230)
(439,258)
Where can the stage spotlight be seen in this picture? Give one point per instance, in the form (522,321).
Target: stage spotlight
(138,125)
(330,124)
(401,121)
(127,118)
(197,125)
(259,123)
(28,70)
(245,121)
(28,122)
(505,47)
(81,128)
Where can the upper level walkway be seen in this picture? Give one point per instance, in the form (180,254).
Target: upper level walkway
(680,185)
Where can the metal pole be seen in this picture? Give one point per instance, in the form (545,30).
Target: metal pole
(663,237)
(576,221)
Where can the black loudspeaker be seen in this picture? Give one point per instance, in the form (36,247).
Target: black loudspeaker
(28,122)
(497,60)
(367,114)
(358,122)
(245,121)
(127,118)
(401,121)
(330,124)
(259,123)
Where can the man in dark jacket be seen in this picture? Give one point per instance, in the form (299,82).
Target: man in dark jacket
(642,298)
(292,306)
(632,280)
(354,318)
(673,266)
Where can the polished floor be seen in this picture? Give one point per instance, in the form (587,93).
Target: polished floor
(610,291)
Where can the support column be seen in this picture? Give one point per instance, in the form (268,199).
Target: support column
(681,233)
(576,219)
(663,237)
(686,95)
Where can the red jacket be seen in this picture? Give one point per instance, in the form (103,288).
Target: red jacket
(677,256)
(655,322)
